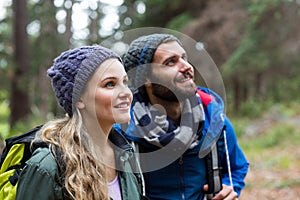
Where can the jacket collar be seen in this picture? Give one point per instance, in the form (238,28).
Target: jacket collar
(120,141)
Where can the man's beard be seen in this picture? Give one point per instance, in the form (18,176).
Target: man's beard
(173,95)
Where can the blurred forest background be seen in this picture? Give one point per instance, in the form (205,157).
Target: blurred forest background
(255,44)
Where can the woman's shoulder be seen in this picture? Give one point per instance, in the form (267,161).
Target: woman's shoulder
(43,160)
(40,171)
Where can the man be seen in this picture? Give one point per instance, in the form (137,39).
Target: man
(170,114)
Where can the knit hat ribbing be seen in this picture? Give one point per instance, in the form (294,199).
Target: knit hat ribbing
(140,55)
(72,70)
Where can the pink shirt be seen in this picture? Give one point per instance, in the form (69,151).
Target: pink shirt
(114,189)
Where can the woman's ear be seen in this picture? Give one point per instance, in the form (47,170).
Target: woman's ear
(80,105)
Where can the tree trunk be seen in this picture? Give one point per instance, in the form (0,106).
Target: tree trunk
(68,23)
(48,30)
(19,98)
(237,92)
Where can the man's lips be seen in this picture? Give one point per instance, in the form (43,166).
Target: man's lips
(184,80)
(187,76)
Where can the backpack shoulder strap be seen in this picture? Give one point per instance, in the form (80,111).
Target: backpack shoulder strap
(212,159)
(213,172)
(25,138)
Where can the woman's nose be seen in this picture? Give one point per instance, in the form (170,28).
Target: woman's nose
(125,92)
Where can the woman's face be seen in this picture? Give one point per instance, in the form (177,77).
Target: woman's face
(107,95)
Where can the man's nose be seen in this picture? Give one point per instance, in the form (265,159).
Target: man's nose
(184,65)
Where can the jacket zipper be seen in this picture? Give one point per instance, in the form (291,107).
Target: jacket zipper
(180,160)
(181,178)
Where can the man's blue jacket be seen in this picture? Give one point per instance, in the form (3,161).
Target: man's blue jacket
(184,178)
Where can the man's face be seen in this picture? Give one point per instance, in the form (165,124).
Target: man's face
(172,76)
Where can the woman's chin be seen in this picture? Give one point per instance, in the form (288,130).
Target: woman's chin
(122,120)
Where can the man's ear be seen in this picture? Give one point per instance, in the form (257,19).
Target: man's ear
(80,105)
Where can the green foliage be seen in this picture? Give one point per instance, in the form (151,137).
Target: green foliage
(161,13)
(254,53)
(179,21)
(287,90)
(239,125)
(291,109)
(257,9)
(249,57)
(260,67)
(25,125)
(6,50)
(4,114)
(254,108)
(33,120)
(278,136)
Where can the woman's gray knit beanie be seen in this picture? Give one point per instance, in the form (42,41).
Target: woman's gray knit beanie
(72,70)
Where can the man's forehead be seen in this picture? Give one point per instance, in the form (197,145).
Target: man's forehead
(167,45)
(169,48)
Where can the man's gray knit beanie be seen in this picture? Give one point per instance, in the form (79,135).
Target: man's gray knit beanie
(140,55)
(72,70)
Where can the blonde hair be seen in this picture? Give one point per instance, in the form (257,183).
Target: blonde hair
(84,176)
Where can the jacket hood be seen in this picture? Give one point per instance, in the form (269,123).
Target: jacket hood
(214,118)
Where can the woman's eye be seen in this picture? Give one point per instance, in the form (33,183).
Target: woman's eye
(109,85)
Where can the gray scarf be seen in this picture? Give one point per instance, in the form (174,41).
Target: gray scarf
(158,130)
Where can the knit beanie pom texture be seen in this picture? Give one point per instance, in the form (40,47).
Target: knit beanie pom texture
(72,70)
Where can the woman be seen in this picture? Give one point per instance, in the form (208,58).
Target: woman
(86,159)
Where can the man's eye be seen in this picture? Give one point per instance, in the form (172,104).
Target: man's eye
(171,62)
(184,57)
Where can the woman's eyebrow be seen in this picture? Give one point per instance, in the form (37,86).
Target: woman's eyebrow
(110,77)
(113,77)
